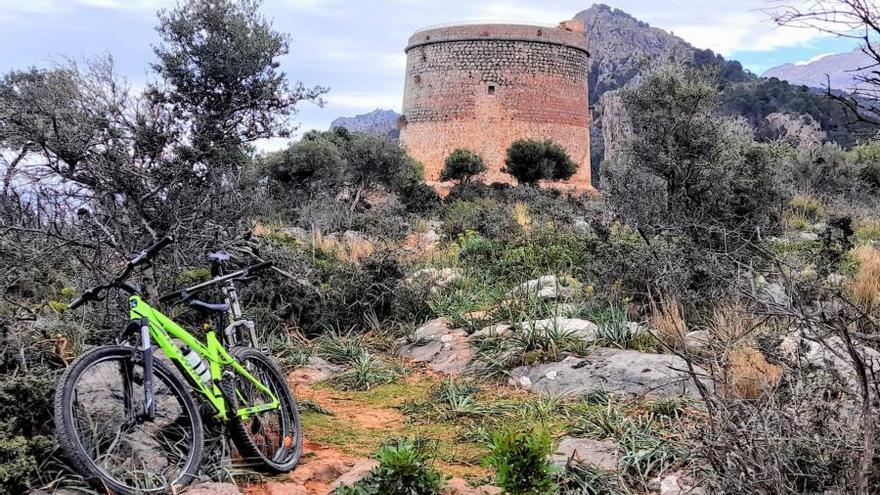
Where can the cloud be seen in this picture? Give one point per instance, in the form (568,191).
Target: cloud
(814,59)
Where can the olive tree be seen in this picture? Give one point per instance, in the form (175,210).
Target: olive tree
(171,158)
(686,168)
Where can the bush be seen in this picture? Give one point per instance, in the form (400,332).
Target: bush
(462,165)
(25,428)
(403,470)
(520,460)
(489,218)
(530,160)
(419,198)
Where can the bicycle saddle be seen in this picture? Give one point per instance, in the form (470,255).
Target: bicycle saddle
(205,307)
(217,256)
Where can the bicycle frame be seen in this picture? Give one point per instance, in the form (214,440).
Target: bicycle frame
(163,329)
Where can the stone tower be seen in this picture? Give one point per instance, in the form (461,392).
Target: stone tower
(484,86)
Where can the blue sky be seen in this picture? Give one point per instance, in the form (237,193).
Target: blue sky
(356,47)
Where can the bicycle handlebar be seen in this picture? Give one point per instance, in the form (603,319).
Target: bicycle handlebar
(94,294)
(243,273)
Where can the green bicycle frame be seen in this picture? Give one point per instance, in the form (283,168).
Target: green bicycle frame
(163,330)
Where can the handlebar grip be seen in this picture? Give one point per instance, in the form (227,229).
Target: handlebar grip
(79,301)
(87,296)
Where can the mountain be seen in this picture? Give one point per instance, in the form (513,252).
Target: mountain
(840,70)
(379,122)
(621,46)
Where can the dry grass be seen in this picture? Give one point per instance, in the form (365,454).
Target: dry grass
(809,207)
(867,229)
(348,249)
(667,320)
(732,322)
(866,282)
(749,375)
(521,215)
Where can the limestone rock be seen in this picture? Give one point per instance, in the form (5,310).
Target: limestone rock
(772,293)
(546,287)
(434,278)
(611,370)
(441,348)
(831,357)
(496,330)
(421,243)
(679,484)
(357,472)
(582,329)
(698,339)
(211,488)
(598,453)
(316,371)
(458,486)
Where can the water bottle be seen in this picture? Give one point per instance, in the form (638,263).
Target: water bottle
(198,364)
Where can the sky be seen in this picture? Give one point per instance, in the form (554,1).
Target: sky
(355,47)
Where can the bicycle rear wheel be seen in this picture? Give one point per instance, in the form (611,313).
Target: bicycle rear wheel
(102,428)
(271,439)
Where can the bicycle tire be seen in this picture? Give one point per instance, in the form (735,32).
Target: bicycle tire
(65,422)
(242,433)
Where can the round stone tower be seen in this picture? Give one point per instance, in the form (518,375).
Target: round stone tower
(484,86)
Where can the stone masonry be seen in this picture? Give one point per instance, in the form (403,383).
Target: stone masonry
(484,86)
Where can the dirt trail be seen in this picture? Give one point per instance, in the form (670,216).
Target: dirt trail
(324,467)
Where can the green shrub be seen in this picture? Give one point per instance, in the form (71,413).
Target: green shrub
(645,454)
(461,165)
(489,218)
(365,372)
(20,461)
(528,345)
(403,470)
(521,463)
(584,479)
(530,160)
(419,198)
(25,427)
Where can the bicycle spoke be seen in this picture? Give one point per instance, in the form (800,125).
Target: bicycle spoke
(117,436)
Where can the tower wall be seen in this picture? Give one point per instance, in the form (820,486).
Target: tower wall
(484,86)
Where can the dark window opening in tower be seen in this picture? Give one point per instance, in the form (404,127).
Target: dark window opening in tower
(490,88)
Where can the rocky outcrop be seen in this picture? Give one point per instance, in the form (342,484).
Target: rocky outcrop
(611,370)
(317,370)
(828,354)
(598,453)
(582,329)
(441,348)
(546,287)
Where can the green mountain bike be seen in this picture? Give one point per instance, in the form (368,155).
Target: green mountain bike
(129,424)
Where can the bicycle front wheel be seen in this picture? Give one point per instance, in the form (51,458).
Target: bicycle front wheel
(102,426)
(271,439)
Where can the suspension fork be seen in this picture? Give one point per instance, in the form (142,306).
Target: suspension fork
(147,354)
